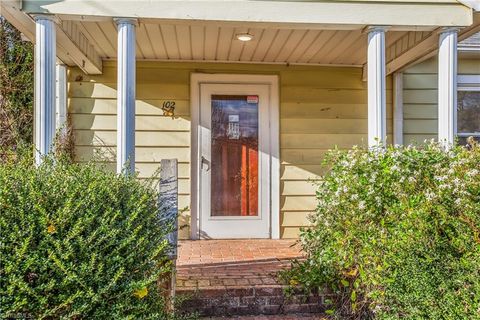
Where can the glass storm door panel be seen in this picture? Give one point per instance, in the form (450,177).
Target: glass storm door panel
(234,198)
(234,143)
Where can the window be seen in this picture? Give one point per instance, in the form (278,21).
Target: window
(468,108)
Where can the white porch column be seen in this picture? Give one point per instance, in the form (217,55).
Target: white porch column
(377,131)
(126,95)
(447,85)
(45,58)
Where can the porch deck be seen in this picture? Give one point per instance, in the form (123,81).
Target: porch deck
(238,277)
(220,264)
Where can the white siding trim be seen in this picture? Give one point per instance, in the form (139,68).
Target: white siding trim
(398,108)
(61,108)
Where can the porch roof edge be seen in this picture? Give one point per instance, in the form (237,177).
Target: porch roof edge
(395,13)
(70,51)
(474,4)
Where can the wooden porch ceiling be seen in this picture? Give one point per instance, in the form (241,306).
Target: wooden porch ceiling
(215,42)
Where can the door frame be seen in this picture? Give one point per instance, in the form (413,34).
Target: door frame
(196,79)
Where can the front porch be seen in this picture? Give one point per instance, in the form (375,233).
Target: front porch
(338,68)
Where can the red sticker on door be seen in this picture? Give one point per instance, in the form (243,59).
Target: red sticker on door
(252,99)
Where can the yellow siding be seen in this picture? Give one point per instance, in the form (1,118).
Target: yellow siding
(420,109)
(320,108)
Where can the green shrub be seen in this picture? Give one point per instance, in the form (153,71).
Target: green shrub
(78,242)
(396,234)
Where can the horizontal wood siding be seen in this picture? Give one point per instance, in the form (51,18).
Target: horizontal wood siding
(92,106)
(420,109)
(320,108)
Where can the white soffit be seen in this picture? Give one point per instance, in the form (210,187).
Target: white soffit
(217,42)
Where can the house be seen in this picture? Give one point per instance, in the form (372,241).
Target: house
(247,95)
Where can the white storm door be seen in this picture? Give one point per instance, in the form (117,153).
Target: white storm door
(234,161)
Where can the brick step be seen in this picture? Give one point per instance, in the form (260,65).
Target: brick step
(296,316)
(256,300)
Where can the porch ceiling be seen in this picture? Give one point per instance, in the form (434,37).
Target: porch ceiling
(217,42)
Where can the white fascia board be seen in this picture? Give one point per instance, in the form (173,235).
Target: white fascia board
(285,12)
(474,4)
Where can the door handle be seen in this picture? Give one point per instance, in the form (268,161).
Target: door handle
(205,161)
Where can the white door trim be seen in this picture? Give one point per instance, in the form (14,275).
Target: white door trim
(196,80)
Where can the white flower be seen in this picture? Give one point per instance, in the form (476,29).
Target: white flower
(430,196)
(361,205)
(472,173)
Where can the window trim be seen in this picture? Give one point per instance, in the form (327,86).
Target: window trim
(467,82)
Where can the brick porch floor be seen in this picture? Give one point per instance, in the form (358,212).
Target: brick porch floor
(211,264)
(231,278)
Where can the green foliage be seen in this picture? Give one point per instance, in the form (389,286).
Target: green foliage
(78,242)
(396,234)
(16,88)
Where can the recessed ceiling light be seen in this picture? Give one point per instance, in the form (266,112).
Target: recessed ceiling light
(244,36)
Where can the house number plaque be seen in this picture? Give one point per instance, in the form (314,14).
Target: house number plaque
(168,108)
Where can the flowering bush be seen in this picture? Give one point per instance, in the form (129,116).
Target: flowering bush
(396,234)
(78,242)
